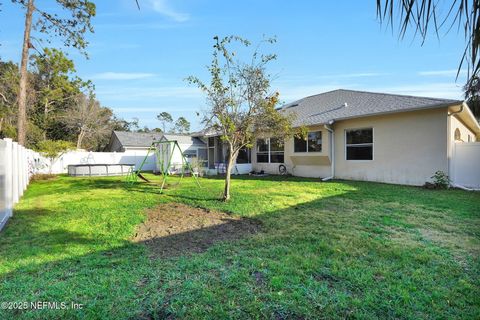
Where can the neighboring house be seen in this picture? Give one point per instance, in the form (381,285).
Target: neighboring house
(191,147)
(140,142)
(367,136)
(121,141)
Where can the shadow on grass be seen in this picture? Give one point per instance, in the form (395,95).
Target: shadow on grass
(308,261)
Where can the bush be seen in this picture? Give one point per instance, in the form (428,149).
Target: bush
(440,181)
(53,150)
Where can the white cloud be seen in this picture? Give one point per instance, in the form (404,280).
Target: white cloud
(448,90)
(356,75)
(292,93)
(303,78)
(137,93)
(138,26)
(441,73)
(162,7)
(151,109)
(121,76)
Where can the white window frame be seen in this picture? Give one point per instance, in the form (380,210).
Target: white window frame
(321,133)
(359,144)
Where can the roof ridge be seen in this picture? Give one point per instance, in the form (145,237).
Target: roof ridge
(369,92)
(394,94)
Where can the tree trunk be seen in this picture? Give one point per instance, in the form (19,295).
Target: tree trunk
(230,160)
(80,137)
(22,95)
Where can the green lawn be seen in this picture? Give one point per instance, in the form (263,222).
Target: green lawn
(326,250)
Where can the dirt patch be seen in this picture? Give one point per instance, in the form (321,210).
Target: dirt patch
(174,229)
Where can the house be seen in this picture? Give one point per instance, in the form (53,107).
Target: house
(369,136)
(217,154)
(138,144)
(190,148)
(121,141)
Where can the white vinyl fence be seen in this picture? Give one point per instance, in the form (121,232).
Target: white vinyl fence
(18,164)
(16,167)
(466,165)
(86,157)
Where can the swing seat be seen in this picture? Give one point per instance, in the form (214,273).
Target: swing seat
(142,177)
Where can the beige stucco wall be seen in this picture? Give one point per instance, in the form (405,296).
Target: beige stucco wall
(302,164)
(465,132)
(408,147)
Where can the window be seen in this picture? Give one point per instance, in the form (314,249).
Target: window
(189,154)
(262,150)
(458,135)
(211,142)
(299,144)
(270,150)
(243,156)
(313,143)
(359,144)
(276,150)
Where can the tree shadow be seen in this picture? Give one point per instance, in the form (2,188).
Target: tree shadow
(303,256)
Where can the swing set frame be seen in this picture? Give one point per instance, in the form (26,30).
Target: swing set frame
(161,150)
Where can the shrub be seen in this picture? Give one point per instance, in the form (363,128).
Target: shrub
(440,180)
(53,150)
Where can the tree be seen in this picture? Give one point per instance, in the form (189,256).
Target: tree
(53,150)
(57,85)
(472,95)
(9,78)
(165,118)
(423,15)
(88,119)
(241,106)
(71,29)
(182,126)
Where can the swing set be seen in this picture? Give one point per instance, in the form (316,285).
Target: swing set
(163,151)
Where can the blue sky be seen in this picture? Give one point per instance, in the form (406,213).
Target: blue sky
(139,59)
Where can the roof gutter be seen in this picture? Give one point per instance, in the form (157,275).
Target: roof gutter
(332,149)
(462,106)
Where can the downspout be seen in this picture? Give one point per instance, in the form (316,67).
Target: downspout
(332,149)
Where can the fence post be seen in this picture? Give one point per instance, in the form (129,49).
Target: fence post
(20,171)
(15,195)
(8,177)
(4,215)
(25,170)
(21,161)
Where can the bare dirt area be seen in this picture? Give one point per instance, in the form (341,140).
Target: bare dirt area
(175,229)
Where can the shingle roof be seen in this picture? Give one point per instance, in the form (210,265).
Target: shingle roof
(142,139)
(344,104)
(185,139)
(137,139)
(207,132)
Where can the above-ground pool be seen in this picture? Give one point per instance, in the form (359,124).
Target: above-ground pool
(99,169)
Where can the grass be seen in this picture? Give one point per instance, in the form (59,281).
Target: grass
(327,250)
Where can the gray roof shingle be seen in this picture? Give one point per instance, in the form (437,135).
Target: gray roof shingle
(185,139)
(137,139)
(345,104)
